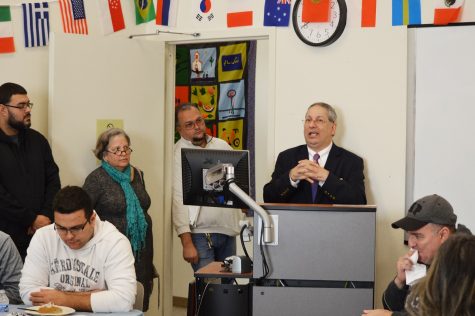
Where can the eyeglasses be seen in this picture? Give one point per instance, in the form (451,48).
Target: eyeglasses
(119,151)
(21,106)
(318,121)
(73,230)
(191,124)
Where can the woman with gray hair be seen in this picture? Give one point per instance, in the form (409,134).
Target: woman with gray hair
(118,194)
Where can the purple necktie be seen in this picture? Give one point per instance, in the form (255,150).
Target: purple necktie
(315,183)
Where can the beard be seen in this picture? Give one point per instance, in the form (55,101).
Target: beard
(199,141)
(18,125)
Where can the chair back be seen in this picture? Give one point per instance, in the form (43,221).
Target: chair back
(139,298)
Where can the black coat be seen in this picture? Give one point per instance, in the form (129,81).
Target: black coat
(29,179)
(344,185)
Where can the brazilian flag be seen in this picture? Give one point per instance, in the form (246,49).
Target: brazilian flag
(144,11)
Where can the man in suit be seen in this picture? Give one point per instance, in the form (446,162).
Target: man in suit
(320,171)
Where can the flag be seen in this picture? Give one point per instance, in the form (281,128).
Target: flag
(446,16)
(36,23)
(73,16)
(166,12)
(203,15)
(276,13)
(236,19)
(111,16)
(406,12)
(239,13)
(6,31)
(368,13)
(316,11)
(447,11)
(144,11)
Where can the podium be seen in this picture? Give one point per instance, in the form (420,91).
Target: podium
(323,263)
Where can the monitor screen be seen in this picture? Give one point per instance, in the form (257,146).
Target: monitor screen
(196,162)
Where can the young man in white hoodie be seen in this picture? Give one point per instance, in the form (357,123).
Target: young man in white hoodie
(79,261)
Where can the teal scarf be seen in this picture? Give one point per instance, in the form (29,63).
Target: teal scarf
(136,224)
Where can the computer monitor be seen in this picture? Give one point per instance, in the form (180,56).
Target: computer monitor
(196,162)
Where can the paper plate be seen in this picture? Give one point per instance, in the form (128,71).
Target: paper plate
(65,311)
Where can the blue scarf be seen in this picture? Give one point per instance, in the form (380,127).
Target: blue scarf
(136,224)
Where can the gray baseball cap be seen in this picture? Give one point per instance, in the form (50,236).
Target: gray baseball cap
(429,209)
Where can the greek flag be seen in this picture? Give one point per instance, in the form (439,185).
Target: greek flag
(36,23)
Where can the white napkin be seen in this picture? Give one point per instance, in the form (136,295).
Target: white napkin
(418,270)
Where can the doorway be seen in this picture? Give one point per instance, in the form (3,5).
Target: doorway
(180,270)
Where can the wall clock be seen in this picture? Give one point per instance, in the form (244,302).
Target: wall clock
(320,34)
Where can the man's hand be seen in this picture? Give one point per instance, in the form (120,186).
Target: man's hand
(377,312)
(77,300)
(190,254)
(40,221)
(45,296)
(403,264)
(308,170)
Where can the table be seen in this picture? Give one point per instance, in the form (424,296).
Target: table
(220,299)
(215,270)
(13,308)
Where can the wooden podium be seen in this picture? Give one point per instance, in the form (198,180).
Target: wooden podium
(323,263)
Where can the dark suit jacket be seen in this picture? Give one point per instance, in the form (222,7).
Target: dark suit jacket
(344,185)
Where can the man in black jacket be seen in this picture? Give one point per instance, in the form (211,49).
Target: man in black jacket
(429,223)
(29,177)
(320,171)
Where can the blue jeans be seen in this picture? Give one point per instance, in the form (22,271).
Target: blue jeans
(220,247)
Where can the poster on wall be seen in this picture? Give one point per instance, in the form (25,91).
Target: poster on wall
(104,124)
(216,77)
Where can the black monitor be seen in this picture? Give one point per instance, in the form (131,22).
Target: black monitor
(196,162)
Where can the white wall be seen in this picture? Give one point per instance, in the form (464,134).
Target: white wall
(71,139)
(444,88)
(29,66)
(363,74)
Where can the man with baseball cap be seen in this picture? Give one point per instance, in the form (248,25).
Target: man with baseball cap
(429,222)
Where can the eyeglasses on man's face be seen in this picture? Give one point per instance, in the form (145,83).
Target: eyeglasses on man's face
(191,124)
(21,106)
(318,121)
(120,151)
(73,230)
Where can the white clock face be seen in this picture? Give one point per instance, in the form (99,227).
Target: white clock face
(320,33)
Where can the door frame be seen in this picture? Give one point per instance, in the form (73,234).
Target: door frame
(268,150)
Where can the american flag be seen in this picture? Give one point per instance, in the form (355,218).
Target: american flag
(36,23)
(73,16)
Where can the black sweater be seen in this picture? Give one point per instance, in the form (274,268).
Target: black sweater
(394,299)
(29,179)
